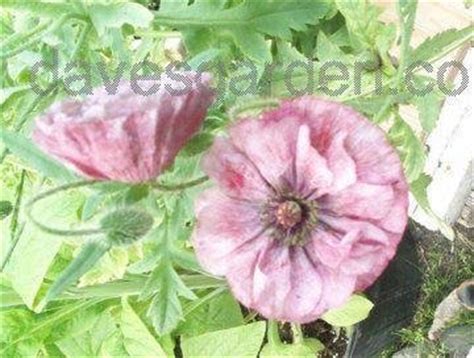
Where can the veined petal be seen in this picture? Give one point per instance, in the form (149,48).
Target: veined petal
(341,164)
(312,173)
(225,228)
(234,172)
(270,146)
(358,201)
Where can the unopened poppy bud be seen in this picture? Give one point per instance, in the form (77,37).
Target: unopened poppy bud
(125,226)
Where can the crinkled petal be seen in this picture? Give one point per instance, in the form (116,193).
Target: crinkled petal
(270,146)
(225,228)
(124,136)
(234,172)
(312,173)
(341,164)
(358,201)
(329,249)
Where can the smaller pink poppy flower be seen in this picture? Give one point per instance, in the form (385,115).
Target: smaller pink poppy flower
(310,205)
(126,136)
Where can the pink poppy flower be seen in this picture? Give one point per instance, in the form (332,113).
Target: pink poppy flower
(310,205)
(126,136)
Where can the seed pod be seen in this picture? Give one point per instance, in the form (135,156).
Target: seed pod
(126,225)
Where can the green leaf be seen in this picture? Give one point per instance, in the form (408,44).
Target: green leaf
(42,8)
(6,208)
(409,147)
(419,189)
(165,285)
(308,348)
(198,144)
(327,51)
(36,249)
(92,341)
(209,25)
(406,13)
(354,311)
(138,341)
(90,254)
(106,16)
(27,151)
(429,107)
(219,313)
(5,93)
(362,22)
(112,266)
(243,341)
(252,45)
(441,44)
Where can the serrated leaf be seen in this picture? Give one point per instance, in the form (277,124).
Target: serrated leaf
(354,311)
(165,286)
(409,147)
(138,341)
(252,45)
(442,43)
(27,151)
(243,341)
(429,107)
(106,16)
(327,51)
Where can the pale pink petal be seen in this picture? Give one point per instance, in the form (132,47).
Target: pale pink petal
(341,164)
(312,173)
(359,200)
(329,249)
(396,219)
(124,136)
(234,172)
(224,226)
(271,147)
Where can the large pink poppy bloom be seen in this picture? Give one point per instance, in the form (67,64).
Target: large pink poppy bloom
(126,136)
(310,205)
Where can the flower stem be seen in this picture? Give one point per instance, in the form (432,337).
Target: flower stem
(179,186)
(297,333)
(55,231)
(272,333)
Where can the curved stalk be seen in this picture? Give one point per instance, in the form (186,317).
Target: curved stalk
(55,231)
(179,186)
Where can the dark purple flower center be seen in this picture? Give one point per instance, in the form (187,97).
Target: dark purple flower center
(290,219)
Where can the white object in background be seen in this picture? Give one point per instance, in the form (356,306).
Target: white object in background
(450,159)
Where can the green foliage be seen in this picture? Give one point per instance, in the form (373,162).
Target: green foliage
(354,311)
(165,286)
(242,341)
(6,208)
(26,150)
(138,340)
(170,300)
(440,44)
(307,349)
(409,147)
